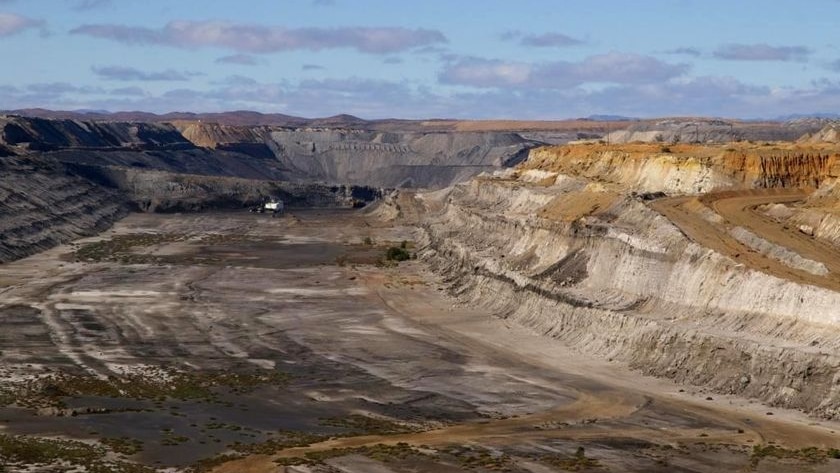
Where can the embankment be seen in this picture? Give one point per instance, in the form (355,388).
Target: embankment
(568,247)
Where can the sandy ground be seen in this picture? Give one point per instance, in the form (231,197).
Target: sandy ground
(738,208)
(300,297)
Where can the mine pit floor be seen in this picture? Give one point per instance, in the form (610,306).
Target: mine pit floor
(287,343)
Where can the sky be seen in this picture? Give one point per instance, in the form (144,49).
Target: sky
(512,59)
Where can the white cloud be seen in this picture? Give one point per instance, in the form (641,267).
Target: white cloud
(239,59)
(613,67)
(549,40)
(370,98)
(267,39)
(124,73)
(12,24)
(761,52)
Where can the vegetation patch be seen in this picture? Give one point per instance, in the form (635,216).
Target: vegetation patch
(380,452)
(578,462)
(172,440)
(61,455)
(120,248)
(123,445)
(283,440)
(807,455)
(208,464)
(471,458)
(364,425)
(158,384)
(399,253)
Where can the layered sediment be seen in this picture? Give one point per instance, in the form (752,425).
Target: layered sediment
(704,130)
(569,246)
(362,157)
(42,205)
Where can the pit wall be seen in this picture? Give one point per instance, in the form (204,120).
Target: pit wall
(688,169)
(158,191)
(360,157)
(42,205)
(626,284)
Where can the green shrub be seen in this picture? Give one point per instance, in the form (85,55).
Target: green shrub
(396,253)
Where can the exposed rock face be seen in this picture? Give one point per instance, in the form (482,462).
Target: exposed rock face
(62,179)
(798,167)
(77,166)
(710,131)
(190,161)
(44,202)
(40,134)
(594,266)
(138,145)
(828,134)
(689,168)
(159,191)
(334,156)
(41,205)
(383,159)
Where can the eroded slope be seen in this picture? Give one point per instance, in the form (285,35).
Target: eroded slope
(42,205)
(383,159)
(570,246)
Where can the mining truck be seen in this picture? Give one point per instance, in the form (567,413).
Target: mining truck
(273,206)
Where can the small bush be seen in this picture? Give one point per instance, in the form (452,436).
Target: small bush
(396,253)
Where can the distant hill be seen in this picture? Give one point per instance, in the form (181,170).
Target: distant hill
(611,118)
(800,116)
(239,117)
(251,118)
(830,133)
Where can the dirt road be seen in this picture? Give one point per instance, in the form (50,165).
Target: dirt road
(738,209)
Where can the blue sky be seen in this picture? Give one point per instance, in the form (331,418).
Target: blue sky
(525,59)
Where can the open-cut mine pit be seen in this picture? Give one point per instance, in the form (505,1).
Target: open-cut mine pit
(448,300)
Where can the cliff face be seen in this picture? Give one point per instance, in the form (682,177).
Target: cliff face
(155,146)
(63,179)
(798,167)
(42,204)
(830,133)
(699,130)
(326,155)
(692,168)
(82,175)
(160,191)
(383,159)
(565,246)
(40,134)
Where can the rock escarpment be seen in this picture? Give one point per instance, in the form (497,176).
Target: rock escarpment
(685,168)
(161,191)
(590,263)
(323,155)
(41,134)
(63,179)
(376,158)
(85,174)
(42,205)
(700,130)
(830,133)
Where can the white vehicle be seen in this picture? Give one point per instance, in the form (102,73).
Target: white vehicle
(274,206)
